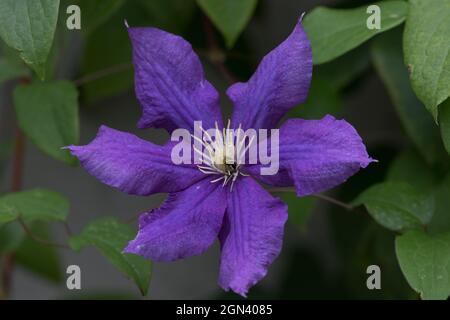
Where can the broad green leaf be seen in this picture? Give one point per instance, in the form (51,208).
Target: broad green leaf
(11,236)
(48,114)
(95,13)
(425,262)
(410,168)
(418,124)
(35,204)
(10,70)
(110,237)
(230,16)
(426,46)
(333,32)
(444,123)
(397,206)
(40,259)
(29,26)
(7,214)
(299,209)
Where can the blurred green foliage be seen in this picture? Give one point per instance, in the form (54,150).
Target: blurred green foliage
(403,222)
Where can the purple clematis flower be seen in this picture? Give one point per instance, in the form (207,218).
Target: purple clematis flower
(314,155)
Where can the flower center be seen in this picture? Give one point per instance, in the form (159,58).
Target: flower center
(222,155)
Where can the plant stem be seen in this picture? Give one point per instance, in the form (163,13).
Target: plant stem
(16,185)
(321,196)
(215,55)
(38,239)
(102,73)
(334,201)
(19,154)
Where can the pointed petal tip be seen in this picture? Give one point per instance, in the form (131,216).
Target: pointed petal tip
(302,15)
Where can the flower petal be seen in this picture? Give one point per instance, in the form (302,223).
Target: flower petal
(187,224)
(316,155)
(251,237)
(281,82)
(133,165)
(170,83)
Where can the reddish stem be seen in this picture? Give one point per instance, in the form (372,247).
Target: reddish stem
(216,55)
(16,185)
(19,153)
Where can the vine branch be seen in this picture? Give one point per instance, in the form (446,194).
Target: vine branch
(102,73)
(215,54)
(320,196)
(38,239)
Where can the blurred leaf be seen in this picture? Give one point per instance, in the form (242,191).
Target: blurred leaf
(418,124)
(342,71)
(410,168)
(425,262)
(322,100)
(426,48)
(94,13)
(110,237)
(299,209)
(109,47)
(441,218)
(397,206)
(333,32)
(7,214)
(48,114)
(11,236)
(40,259)
(444,123)
(10,70)
(35,204)
(170,15)
(376,247)
(230,16)
(29,26)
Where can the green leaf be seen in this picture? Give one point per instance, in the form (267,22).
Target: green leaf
(111,237)
(397,206)
(11,236)
(90,10)
(426,48)
(418,124)
(410,168)
(7,214)
(48,114)
(444,123)
(40,259)
(170,15)
(333,32)
(230,16)
(29,26)
(441,217)
(425,262)
(35,204)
